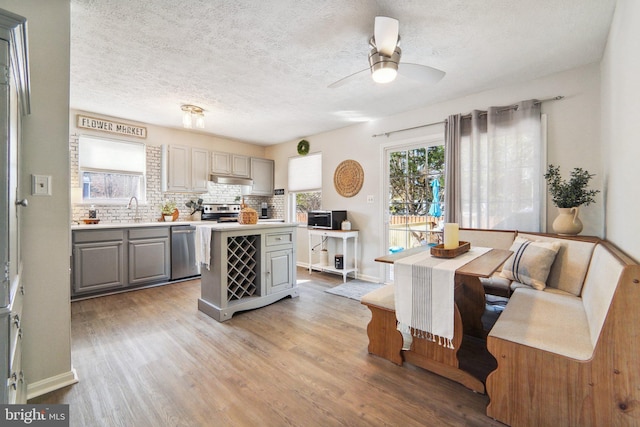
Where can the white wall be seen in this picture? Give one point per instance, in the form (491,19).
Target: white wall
(45,226)
(574,128)
(621,127)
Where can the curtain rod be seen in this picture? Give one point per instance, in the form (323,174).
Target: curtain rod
(514,106)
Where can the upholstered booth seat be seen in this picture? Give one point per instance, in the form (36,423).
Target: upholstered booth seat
(381,297)
(546,320)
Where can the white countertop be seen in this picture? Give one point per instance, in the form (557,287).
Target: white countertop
(222,226)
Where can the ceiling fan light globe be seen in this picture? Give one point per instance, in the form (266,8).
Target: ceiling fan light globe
(384,75)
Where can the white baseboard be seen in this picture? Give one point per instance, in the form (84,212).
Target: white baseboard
(52,383)
(361,276)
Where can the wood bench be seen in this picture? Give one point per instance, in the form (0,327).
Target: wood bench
(571,360)
(568,355)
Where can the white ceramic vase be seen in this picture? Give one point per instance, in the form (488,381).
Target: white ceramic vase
(168,218)
(567,223)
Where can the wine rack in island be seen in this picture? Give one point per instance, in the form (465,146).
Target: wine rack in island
(242,263)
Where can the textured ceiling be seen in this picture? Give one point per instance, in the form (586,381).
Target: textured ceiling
(261,68)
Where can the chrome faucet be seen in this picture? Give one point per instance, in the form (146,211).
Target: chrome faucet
(136,217)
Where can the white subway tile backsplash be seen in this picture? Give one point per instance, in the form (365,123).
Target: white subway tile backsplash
(150,211)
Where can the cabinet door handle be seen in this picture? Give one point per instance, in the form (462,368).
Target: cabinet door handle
(22,202)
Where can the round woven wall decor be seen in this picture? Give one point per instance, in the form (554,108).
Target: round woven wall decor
(348,178)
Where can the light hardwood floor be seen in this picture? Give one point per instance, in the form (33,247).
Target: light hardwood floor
(150,358)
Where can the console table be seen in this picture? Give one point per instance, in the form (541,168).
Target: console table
(335,234)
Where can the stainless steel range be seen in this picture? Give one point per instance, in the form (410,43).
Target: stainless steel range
(220,212)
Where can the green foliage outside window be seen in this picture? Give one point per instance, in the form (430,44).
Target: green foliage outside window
(411,176)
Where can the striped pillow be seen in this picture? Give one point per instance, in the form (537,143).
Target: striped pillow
(531,262)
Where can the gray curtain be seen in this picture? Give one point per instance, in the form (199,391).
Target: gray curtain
(497,169)
(451,168)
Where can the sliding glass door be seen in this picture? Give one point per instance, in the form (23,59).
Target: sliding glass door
(414,194)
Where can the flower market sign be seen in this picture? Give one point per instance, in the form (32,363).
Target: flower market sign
(93,123)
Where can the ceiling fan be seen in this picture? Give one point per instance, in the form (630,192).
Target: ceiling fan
(384,58)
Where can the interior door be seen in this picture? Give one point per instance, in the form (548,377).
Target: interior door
(12,106)
(6,172)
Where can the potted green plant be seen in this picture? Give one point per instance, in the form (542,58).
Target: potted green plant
(568,196)
(167,209)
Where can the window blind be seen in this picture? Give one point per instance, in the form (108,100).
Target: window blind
(305,173)
(110,155)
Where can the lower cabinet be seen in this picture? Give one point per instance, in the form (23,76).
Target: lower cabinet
(279,260)
(98,261)
(149,255)
(113,259)
(280,265)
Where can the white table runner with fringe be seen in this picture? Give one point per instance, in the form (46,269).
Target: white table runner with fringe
(424,294)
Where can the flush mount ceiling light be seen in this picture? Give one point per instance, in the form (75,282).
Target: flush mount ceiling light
(191,114)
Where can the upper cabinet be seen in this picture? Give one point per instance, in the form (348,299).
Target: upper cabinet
(199,169)
(186,169)
(229,164)
(221,163)
(262,175)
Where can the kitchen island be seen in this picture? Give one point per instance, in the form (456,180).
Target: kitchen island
(245,267)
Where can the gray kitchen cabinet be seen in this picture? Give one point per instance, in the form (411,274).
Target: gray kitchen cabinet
(240,166)
(179,168)
(185,169)
(262,175)
(279,270)
(230,164)
(98,261)
(114,259)
(199,169)
(279,261)
(149,255)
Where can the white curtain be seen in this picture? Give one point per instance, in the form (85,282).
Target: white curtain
(500,168)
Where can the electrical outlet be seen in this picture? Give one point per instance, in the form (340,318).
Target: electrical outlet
(370,198)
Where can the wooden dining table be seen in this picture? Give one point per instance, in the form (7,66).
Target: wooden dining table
(468,363)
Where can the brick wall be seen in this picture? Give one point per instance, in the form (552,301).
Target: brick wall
(150,210)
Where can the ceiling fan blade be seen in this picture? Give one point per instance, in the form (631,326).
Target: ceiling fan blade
(421,73)
(347,79)
(385,34)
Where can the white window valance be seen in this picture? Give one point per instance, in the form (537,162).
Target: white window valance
(100,154)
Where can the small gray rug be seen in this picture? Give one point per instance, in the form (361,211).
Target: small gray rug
(354,289)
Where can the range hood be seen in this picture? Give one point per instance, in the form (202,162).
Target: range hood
(232,180)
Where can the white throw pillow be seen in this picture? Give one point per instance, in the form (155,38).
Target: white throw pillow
(530,262)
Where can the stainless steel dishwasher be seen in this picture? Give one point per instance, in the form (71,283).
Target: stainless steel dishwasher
(183,252)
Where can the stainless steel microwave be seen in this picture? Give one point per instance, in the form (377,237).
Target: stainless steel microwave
(330,220)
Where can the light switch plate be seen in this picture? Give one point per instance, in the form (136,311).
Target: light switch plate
(41,185)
